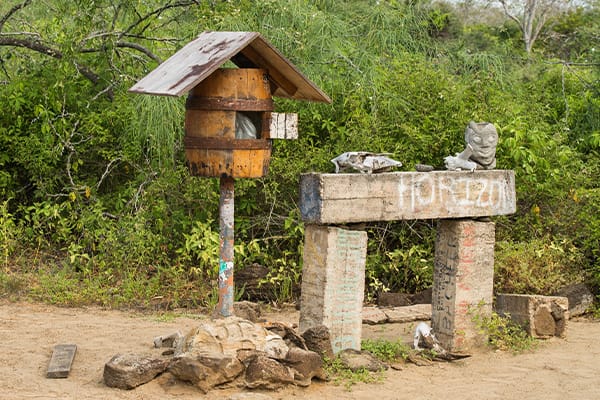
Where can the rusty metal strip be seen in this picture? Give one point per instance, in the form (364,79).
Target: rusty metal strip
(191,142)
(228,104)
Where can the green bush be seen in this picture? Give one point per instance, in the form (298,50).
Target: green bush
(100,196)
(587,232)
(538,266)
(502,332)
(9,234)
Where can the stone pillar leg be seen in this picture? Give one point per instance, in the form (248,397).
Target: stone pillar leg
(463,280)
(333,281)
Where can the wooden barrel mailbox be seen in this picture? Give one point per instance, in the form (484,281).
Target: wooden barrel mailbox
(227,122)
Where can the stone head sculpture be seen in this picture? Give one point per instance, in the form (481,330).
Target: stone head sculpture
(480,150)
(483,139)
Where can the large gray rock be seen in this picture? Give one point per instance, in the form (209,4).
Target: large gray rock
(247,310)
(356,360)
(287,333)
(423,297)
(545,325)
(169,341)
(373,316)
(127,371)
(254,279)
(416,312)
(581,298)
(317,339)
(265,373)
(306,365)
(388,299)
(228,336)
(206,370)
(539,316)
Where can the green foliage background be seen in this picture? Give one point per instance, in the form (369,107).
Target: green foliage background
(96,205)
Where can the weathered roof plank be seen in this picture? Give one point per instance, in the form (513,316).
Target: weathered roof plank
(280,81)
(193,63)
(201,57)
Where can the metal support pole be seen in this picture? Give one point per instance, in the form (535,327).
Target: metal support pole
(226,213)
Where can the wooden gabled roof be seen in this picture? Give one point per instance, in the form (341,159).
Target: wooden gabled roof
(210,50)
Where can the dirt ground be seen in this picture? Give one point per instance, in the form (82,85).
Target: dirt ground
(559,369)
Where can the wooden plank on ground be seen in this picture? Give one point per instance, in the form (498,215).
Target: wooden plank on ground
(61,361)
(351,198)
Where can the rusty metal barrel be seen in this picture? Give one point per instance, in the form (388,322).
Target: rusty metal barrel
(227,124)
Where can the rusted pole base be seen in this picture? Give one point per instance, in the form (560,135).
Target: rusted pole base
(226,214)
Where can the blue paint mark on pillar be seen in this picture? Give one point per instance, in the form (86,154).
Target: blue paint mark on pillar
(226,238)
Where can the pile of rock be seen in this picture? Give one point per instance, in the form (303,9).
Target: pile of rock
(229,351)
(540,316)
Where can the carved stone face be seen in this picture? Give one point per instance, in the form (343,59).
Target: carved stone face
(483,139)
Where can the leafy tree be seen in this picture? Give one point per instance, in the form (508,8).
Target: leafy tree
(71,130)
(575,36)
(533,15)
(118,33)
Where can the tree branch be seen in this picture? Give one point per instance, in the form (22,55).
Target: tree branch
(107,171)
(41,48)
(509,14)
(129,45)
(34,45)
(140,48)
(12,11)
(143,21)
(88,73)
(158,11)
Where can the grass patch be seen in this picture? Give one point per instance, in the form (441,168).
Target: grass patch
(53,280)
(171,316)
(385,350)
(11,285)
(503,333)
(342,376)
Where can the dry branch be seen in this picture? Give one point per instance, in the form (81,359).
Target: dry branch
(35,42)
(12,11)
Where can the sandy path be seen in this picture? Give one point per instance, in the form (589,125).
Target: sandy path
(561,369)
